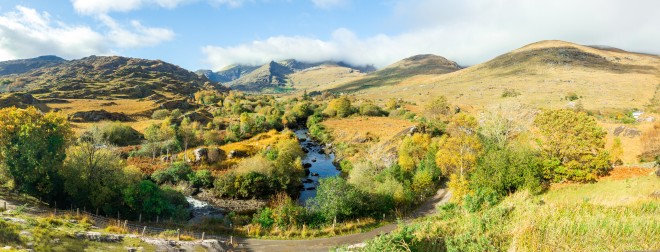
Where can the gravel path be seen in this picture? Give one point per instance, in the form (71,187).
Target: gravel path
(324,244)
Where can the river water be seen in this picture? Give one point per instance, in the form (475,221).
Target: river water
(320,166)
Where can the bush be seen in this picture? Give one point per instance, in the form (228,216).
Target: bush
(178,171)
(9,233)
(572,96)
(121,135)
(201,178)
(264,217)
(369,109)
(510,93)
(160,114)
(480,198)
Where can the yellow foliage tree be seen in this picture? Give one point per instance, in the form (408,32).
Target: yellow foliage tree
(458,152)
(412,150)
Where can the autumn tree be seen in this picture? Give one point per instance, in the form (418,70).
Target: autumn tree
(340,107)
(188,132)
(412,150)
(33,148)
(458,152)
(572,145)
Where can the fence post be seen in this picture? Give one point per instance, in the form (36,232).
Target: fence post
(55,208)
(125,223)
(157,218)
(5,206)
(140,220)
(231,240)
(178,234)
(97,211)
(118,216)
(144,229)
(203,233)
(77,212)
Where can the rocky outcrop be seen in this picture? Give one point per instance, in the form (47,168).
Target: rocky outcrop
(98,115)
(98,237)
(209,155)
(627,132)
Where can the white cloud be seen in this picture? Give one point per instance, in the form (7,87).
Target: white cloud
(95,7)
(466,32)
(329,4)
(139,36)
(25,32)
(106,6)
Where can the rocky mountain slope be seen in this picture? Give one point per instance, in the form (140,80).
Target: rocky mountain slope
(20,66)
(108,77)
(273,76)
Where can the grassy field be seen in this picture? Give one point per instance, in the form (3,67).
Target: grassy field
(371,138)
(618,213)
(322,78)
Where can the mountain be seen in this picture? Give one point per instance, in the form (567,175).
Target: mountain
(25,65)
(541,74)
(109,77)
(424,64)
(274,76)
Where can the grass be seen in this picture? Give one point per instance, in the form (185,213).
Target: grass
(618,215)
(366,137)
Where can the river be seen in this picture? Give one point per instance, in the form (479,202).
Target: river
(318,163)
(321,165)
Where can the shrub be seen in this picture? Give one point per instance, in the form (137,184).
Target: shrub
(201,178)
(339,107)
(480,198)
(121,135)
(369,109)
(264,217)
(572,96)
(160,114)
(178,171)
(9,233)
(510,93)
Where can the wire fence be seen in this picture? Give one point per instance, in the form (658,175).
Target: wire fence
(130,227)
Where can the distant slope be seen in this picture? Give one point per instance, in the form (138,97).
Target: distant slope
(277,76)
(416,65)
(97,77)
(25,65)
(543,74)
(323,77)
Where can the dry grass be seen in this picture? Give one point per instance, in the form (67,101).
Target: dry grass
(128,106)
(371,138)
(608,191)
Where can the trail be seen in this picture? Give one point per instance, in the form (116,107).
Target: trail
(324,244)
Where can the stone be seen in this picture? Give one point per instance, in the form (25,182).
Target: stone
(200,154)
(307,165)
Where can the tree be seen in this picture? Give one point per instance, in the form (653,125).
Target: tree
(33,149)
(188,132)
(340,107)
(458,152)
(572,145)
(335,198)
(93,175)
(412,150)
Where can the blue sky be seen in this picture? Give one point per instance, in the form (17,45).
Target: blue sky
(214,33)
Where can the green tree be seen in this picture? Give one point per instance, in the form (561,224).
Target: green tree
(572,145)
(33,149)
(335,198)
(188,132)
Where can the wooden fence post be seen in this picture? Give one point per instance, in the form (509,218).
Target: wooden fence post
(144,229)
(140,220)
(157,218)
(77,212)
(5,206)
(178,234)
(97,211)
(203,233)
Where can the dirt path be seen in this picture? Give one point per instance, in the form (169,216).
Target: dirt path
(324,244)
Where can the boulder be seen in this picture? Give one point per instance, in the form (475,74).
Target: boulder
(200,154)
(237,154)
(98,115)
(627,132)
(307,165)
(201,116)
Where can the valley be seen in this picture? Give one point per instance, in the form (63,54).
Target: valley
(552,146)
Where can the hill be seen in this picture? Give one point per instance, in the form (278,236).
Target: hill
(285,75)
(541,74)
(412,66)
(109,77)
(20,66)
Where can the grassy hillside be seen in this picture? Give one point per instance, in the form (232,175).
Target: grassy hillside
(542,75)
(408,67)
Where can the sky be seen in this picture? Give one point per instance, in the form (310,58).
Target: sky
(211,34)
